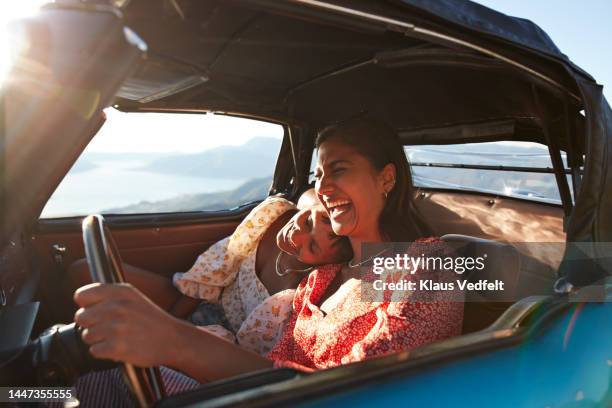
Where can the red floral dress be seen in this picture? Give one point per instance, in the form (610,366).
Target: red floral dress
(354,330)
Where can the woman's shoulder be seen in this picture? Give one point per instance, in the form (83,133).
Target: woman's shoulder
(272,204)
(278,201)
(262,216)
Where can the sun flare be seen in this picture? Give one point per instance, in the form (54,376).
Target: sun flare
(10,11)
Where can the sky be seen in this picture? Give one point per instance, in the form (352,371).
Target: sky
(175,132)
(581,29)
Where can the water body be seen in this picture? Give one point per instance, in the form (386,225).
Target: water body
(117,183)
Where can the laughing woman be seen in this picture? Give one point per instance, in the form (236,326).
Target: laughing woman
(363,179)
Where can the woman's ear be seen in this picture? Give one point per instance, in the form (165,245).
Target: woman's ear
(388,174)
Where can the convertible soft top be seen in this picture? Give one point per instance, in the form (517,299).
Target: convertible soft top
(478,18)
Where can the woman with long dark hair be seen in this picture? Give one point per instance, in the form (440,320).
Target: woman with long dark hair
(363,180)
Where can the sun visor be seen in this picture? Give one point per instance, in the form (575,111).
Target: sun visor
(157,79)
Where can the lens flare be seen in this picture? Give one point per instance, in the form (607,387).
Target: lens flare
(10,11)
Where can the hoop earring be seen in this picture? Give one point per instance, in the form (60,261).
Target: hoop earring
(287,271)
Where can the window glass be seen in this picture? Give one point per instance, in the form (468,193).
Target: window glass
(520,184)
(169,162)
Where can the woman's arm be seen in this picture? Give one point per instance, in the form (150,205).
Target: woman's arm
(206,357)
(184,306)
(120,323)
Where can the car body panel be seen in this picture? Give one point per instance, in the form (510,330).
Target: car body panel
(532,374)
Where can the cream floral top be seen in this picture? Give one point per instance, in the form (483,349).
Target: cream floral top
(225,273)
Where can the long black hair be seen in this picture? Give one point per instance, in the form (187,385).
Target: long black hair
(380,144)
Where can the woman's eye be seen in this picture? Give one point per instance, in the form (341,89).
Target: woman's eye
(338,170)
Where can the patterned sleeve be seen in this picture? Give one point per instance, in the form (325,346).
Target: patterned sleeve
(262,329)
(412,322)
(217,267)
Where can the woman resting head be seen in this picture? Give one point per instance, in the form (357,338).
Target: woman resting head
(309,237)
(247,282)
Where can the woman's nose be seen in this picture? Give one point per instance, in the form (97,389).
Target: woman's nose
(317,220)
(299,238)
(299,234)
(323,185)
(301,222)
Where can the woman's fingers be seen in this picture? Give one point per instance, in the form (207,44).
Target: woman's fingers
(109,350)
(97,334)
(89,294)
(100,312)
(107,344)
(96,292)
(120,323)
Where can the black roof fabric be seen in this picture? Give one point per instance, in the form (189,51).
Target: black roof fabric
(479,18)
(485,20)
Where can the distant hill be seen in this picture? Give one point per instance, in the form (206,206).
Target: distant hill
(254,189)
(255,159)
(146,156)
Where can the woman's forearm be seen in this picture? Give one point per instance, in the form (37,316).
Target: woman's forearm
(184,306)
(206,357)
(158,288)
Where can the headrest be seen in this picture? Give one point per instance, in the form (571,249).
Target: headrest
(501,262)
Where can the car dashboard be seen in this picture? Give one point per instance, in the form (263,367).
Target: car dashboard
(18,308)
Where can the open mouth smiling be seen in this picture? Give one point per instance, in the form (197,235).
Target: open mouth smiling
(337,207)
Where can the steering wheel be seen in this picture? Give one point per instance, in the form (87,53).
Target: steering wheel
(105,266)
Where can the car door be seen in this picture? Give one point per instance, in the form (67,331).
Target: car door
(168,184)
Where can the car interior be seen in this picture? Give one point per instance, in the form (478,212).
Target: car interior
(278,64)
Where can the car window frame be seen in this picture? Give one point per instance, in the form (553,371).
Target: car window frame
(174,218)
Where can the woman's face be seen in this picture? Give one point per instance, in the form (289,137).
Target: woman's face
(351,189)
(309,237)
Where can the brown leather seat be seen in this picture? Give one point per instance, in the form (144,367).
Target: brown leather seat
(502,262)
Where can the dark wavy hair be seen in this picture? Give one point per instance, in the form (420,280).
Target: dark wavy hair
(380,144)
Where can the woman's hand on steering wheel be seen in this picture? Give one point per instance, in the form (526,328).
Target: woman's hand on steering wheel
(111,331)
(122,324)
